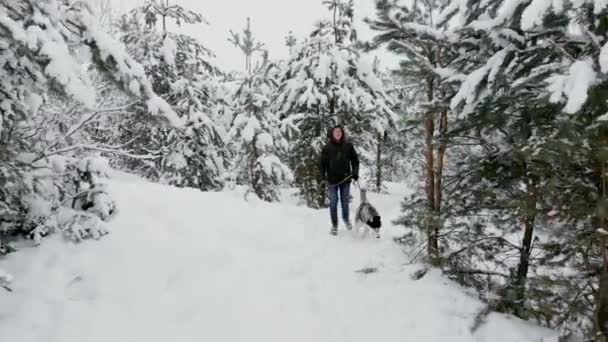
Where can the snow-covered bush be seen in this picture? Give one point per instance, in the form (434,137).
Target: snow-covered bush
(47,51)
(69,196)
(58,195)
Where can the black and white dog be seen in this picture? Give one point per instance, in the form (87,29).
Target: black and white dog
(367,216)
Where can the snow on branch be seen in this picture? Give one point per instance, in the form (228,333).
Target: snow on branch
(574,85)
(117,150)
(534,13)
(48,33)
(505,12)
(112,56)
(470,89)
(49,44)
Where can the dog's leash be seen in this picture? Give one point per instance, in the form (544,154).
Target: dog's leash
(356,182)
(340,182)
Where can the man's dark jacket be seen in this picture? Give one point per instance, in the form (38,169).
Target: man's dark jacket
(339,160)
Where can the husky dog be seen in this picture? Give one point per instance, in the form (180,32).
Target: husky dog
(367,216)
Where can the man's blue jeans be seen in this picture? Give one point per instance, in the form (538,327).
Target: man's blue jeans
(343,192)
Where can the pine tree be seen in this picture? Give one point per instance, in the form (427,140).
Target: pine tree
(403,162)
(257,137)
(198,157)
(417,32)
(184,75)
(523,84)
(372,137)
(291,41)
(248,45)
(326,83)
(531,96)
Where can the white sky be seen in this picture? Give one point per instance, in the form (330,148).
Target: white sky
(271,21)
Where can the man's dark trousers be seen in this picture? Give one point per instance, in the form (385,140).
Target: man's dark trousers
(343,192)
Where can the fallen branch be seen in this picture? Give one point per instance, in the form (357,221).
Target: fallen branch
(367,270)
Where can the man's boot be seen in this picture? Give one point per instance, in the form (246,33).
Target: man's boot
(349,225)
(334,230)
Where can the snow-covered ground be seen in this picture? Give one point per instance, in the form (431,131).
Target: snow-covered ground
(181,265)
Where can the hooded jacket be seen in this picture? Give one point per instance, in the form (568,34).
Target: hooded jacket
(339,159)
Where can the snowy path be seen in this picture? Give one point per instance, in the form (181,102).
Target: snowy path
(181,265)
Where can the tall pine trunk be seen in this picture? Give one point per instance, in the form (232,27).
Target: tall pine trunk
(253,176)
(529,219)
(443,129)
(165,17)
(432,222)
(601,305)
(321,190)
(336,38)
(379,163)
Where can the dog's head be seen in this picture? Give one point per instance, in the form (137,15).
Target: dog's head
(375,223)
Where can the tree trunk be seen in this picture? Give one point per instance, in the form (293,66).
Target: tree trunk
(526,246)
(379,163)
(429,124)
(335,25)
(165,18)
(253,176)
(322,190)
(601,306)
(443,129)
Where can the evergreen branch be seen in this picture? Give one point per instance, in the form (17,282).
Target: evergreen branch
(570,305)
(477,272)
(100,148)
(83,122)
(82,194)
(562,50)
(473,244)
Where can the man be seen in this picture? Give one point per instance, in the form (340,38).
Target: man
(339,164)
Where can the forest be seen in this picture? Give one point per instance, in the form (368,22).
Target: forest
(497,117)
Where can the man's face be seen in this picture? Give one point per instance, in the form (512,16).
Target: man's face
(337,133)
